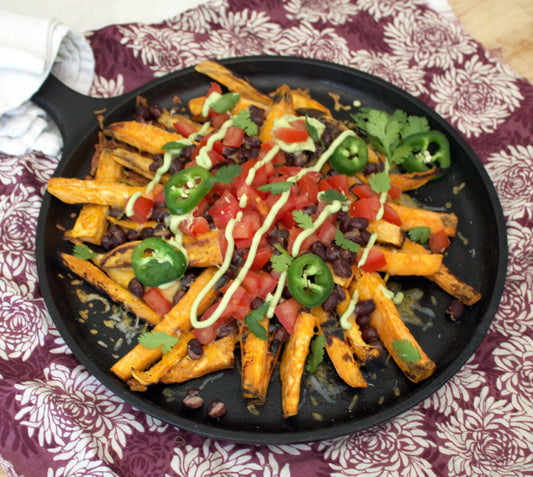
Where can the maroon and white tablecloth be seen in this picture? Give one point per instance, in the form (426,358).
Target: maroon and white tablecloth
(57,420)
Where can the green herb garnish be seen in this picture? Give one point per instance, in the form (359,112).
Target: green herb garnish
(252,319)
(419,234)
(379,182)
(316,355)
(276,187)
(224,175)
(83,252)
(406,351)
(280,263)
(303,220)
(331,195)
(346,244)
(243,120)
(155,339)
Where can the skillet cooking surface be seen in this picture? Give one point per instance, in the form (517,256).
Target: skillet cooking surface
(327,410)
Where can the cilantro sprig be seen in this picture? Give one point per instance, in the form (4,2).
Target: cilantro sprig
(243,120)
(280,263)
(303,220)
(419,234)
(83,252)
(316,354)
(224,175)
(346,244)
(276,187)
(155,339)
(312,131)
(252,321)
(379,182)
(405,350)
(331,195)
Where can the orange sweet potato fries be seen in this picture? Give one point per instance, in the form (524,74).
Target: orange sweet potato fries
(257,222)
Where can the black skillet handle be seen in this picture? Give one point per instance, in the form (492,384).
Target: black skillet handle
(74,114)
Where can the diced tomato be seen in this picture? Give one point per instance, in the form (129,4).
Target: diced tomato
(366,208)
(157,301)
(216,157)
(338,182)
(287,312)
(142,208)
(243,230)
(195,227)
(363,191)
(390,215)
(293,233)
(289,171)
(252,283)
(214,88)
(268,283)
(224,209)
(218,119)
(308,186)
(438,241)
(296,201)
(185,128)
(201,208)
(326,232)
(243,244)
(233,137)
(208,334)
(263,255)
(374,261)
(158,193)
(297,132)
(394,192)
(255,198)
(239,305)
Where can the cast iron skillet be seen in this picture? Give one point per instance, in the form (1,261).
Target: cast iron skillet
(327,410)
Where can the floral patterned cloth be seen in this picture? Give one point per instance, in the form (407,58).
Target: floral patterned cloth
(57,420)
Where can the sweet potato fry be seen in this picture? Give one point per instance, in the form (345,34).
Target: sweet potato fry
(281,105)
(390,326)
(445,279)
(235,84)
(136,162)
(169,120)
(436,221)
(144,137)
(388,233)
(341,355)
(78,191)
(413,180)
(254,358)
(293,362)
(176,320)
(217,356)
(401,263)
(97,278)
(305,102)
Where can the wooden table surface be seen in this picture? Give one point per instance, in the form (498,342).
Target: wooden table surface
(504,27)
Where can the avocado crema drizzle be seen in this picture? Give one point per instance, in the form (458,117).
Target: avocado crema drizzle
(272,299)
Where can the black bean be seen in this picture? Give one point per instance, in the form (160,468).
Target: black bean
(115,211)
(372,168)
(348,257)
(178,296)
(146,232)
(159,213)
(186,280)
(365,236)
(216,408)
(358,223)
(362,320)
(369,333)
(176,165)
(156,164)
(107,241)
(378,344)
(228,151)
(364,307)
(257,115)
(257,302)
(132,235)
(337,295)
(230,328)
(118,235)
(332,252)
(195,349)
(193,400)
(341,268)
(310,209)
(281,335)
(162,231)
(250,142)
(136,287)
(328,135)
(455,310)
(300,160)
(354,236)
(319,249)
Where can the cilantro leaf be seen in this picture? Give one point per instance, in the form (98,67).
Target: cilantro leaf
(312,131)
(174,146)
(252,319)
(419,234)
(225,102)
(243,120)
(345,243)
(280,263)
(405,350)
(303,220)
(276,187)
(154,339)
(331,195)
(414,125)
(224,175)
(317,353)
(379,182)
(83,252)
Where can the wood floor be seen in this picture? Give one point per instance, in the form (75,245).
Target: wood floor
(503,26)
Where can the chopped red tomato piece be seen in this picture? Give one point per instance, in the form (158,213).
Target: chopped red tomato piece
(438,241)
(390,215)
(367,208)
(287,312)
(215,157)
(326,232)
(208,334)
(142,209)
(224,209)
(263,255)
(297,132)
(252,283)
(374,261)
(185,128)
(308,186)
(157,301)
(218,119)
(268,283)
(195,227)
(394,192)
(233,137)
(363,191)
(338,182)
